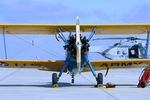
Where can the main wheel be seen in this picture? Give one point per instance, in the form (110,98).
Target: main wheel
(54,79)
(143,84)
(72,81)
(100,78)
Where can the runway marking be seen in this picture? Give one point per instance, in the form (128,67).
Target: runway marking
(10,74)
(102,88)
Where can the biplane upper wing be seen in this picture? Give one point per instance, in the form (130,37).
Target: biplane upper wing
(54,28)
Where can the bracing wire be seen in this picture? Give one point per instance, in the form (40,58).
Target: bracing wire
(45,50)
(19,52)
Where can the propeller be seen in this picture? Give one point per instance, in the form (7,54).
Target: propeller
(116,38)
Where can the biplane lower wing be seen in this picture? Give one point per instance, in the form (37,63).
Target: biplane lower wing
(55,65)
(128,63)
(49,65)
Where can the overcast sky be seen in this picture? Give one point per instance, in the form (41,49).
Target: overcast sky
(63,11)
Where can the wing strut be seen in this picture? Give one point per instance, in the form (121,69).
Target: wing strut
(147,42)
(5,46)
(92,34)
(61,35)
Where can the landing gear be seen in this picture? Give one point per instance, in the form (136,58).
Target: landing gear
(54,80)
(144,79)
(99,77)
(72,81)
(99,80)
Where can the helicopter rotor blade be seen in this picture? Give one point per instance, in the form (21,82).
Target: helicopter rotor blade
(134,38)
(118,38)
(108,38)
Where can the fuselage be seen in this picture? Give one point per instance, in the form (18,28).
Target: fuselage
(129,49)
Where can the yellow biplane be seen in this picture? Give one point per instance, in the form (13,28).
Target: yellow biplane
(76,46)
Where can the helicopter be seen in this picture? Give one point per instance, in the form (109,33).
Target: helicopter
(126,48)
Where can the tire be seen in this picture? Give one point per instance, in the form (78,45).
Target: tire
(100,78)
(72,81)
(54,78)
(143,84)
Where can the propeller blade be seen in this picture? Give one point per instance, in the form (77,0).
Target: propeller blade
(78,45)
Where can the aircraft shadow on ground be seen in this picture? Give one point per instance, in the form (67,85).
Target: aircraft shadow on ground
(65,84)
(47,85)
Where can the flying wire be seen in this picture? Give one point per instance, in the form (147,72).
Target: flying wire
(45,50)
(19,52)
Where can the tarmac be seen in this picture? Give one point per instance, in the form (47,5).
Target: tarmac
(33,84)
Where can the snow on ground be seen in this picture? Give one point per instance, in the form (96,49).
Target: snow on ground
(33,84)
